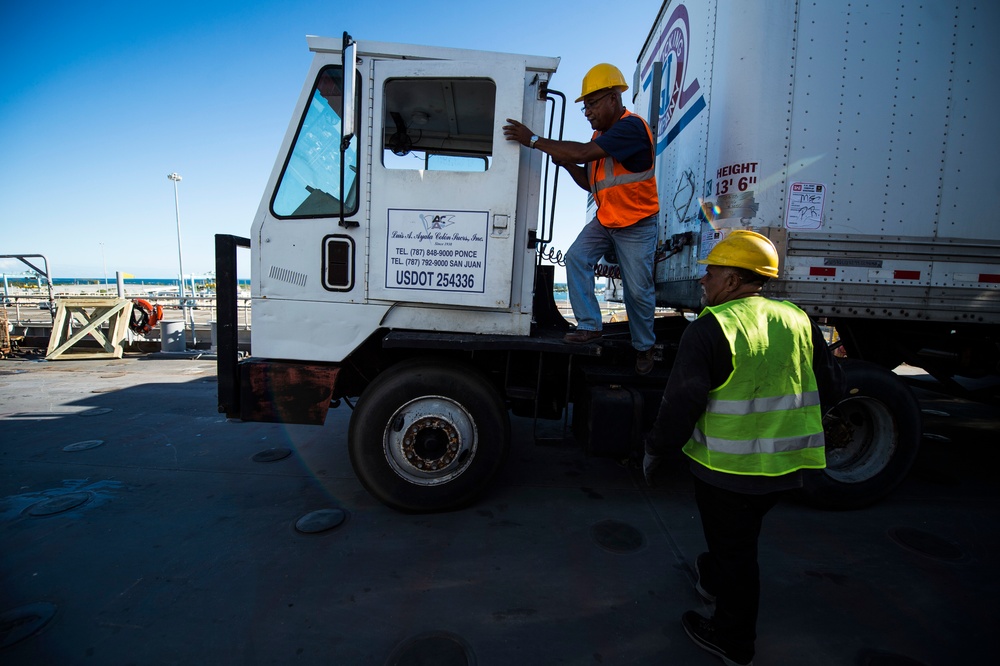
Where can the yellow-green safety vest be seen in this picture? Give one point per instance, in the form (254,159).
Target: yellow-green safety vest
(765,419)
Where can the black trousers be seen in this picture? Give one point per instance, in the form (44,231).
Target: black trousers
(731,522)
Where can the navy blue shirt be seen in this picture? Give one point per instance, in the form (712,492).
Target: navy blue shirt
(628,142)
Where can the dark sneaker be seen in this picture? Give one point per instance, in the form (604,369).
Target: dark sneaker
(706,635)
(644,361)
(579,337)
(704,589)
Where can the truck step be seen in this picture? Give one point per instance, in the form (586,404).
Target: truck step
(521,392)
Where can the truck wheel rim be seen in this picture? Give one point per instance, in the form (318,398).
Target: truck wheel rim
(862,442)
(430,440)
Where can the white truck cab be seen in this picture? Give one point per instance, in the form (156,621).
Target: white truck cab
(439,212)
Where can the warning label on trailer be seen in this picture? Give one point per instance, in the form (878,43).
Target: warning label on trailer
(436,250)
(709,239)
(805,206)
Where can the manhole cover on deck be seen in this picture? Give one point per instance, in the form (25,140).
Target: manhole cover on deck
(927,544)
(271,455)
(617,537)
(84,445)
(439,648)
(320,521)
(59,504)
(23,621)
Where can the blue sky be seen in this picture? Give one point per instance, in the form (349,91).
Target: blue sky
(100,101)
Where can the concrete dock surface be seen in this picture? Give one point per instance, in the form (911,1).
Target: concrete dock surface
(139,526)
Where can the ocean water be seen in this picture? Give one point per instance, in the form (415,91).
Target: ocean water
(561,295)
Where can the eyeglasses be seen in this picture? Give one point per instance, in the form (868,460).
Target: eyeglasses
(591,103)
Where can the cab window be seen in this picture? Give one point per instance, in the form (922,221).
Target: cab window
(438,124)
(310,182)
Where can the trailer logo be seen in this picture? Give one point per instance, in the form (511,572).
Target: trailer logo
(678,105)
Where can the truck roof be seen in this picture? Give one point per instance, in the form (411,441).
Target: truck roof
(415,52)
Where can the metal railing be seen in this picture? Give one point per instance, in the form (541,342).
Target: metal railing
(34,310)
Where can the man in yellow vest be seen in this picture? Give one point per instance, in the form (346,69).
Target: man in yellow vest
(616,167)
(745,400)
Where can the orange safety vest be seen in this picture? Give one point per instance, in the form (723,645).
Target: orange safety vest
(623,197)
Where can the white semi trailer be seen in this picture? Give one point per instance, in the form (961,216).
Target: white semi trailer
(860,138)
(398,251)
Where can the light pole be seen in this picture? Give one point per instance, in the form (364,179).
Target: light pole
(180,259)
(105,262)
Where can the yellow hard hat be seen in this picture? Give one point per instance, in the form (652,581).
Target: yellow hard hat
(600,77)
(745,249)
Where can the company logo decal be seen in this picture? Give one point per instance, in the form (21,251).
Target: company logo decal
(442,251)
(438,221)
(680,101)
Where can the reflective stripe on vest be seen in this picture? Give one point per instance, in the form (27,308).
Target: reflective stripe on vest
(757,445)
(765,419)
(623,197)
(611,180)
(742,407)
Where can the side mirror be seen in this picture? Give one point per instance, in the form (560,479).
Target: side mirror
(347,116)
(348,113)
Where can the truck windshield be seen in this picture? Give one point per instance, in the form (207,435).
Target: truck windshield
(310,183)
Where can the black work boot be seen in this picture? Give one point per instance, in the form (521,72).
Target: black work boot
(644,361)
(707,636)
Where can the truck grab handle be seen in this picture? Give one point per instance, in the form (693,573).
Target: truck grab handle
(547,233)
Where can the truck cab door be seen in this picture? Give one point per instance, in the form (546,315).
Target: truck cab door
(443,181)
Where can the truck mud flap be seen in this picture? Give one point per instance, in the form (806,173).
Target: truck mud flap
(286,392)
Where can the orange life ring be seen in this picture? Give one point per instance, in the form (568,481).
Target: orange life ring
(145,316)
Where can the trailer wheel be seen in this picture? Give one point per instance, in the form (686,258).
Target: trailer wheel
(428,436)
(872,438)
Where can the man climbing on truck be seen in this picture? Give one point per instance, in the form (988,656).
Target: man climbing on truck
(616,167)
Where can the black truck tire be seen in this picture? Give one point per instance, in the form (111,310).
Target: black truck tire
(872,438)
(428,435)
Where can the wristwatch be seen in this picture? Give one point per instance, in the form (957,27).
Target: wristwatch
(534,138)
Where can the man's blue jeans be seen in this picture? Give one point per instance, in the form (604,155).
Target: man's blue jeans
(635,247)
